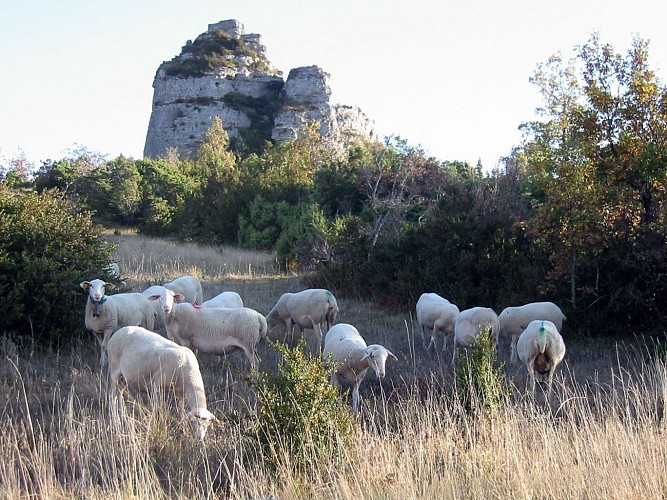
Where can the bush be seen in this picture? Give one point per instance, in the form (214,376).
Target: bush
(47,248)
(480,385)
(303,422)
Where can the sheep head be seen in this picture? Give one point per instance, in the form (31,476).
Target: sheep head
(200,419)
(167,299)
(377,358)
(96,290)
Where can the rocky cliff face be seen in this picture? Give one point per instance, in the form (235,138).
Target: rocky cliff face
(225,73)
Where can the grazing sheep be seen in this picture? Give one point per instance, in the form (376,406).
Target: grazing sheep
(436,314)
(541,348)
(314,308)
(514,320)
(148,362)
(189,287)
(224,299)
(469,324)
(212,330)
(107,313)
(346,346)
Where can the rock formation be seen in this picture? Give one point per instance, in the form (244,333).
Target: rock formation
(225,73)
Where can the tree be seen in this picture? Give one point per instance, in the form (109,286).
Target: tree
(598,157)
(211,213)
(47,247)
(164,189)
(114,191)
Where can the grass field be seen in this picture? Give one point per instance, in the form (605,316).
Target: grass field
(601,433)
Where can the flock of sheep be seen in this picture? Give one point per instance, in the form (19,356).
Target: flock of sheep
(533,330)
(149,339)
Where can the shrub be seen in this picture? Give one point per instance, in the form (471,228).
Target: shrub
(302,420)
(47,248)
(480,385)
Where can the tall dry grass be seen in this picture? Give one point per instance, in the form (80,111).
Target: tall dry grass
(601,434)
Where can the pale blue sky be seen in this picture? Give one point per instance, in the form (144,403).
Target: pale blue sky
(449,76)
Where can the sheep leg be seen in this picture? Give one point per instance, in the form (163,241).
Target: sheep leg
(335,381)
(531,374)
(318,337)
(444,342)
(454,351)
(290,329)
(513,356)
(355,396)
(103,355)
(422,330)
(431,342)
(251,355)
(113,393)
(550,378)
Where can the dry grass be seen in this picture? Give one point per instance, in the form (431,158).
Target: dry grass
(601,434)
(155,260)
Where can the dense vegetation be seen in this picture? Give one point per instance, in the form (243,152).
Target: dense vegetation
(46,246)
(576,214)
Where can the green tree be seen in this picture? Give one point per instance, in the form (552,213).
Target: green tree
(47,247)
(62,175)
(302,422)
(114,192)
(598,157)
(211,214)
(165,187)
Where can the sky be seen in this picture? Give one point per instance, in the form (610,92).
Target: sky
(451,77)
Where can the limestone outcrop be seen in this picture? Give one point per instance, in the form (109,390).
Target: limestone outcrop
(225,73)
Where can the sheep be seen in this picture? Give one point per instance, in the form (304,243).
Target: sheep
(224,299)
(104,314)
(346,346)
(314,308)
(189,287)
(469,323)
(514,320)
(436,314)
(148,362)
(113,269)
(159,320)
(541,348)
(212,330)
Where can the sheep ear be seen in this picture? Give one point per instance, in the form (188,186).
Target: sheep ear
(85,285)
(391,355)
(179,297)
(109,286)
(366,356)
(154,297)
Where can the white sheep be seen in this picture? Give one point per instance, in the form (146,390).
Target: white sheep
(107,313)
(212,330)
(514,320)
(541,348)
(437,315)
(347,347)
(188,286)
(113,269)
(224,299)
(148,362)
(314,308)
(159,320)
(469,324)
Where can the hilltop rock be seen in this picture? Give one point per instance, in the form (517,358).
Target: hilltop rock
(225,73)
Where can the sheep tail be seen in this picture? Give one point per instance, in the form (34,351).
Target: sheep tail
(541,341)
